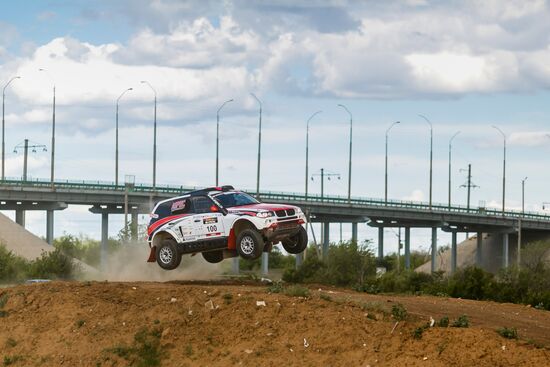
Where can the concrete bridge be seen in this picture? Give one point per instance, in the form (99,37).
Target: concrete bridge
(105,198)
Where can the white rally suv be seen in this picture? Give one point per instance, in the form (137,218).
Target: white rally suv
(221,222)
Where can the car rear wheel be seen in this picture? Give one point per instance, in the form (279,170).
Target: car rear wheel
(213,257)
(250,244)
(168,256)
(297,243)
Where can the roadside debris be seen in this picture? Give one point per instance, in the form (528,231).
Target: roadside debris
(260,303)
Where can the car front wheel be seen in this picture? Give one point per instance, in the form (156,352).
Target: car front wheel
(250,244)
(168,256)
(297,243)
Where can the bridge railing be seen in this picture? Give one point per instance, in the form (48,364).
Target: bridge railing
(283,196)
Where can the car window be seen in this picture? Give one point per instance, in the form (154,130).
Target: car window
(180,206)
(201,204)
(232,199)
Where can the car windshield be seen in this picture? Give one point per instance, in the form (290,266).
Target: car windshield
(231,199)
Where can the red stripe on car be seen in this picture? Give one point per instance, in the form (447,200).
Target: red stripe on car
(162,221)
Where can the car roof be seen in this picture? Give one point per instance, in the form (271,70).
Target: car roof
(201,192)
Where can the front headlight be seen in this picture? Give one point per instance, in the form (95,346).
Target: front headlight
(264,214)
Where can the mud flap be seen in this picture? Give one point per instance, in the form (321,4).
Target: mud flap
(153,255)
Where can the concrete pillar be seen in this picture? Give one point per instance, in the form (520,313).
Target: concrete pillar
(20,217)
(407,248)
(49,226)
(236,265)
(380,243)
(434,248)
(479,249)
(505,253)
(265,263)
(134,226)
(299,260)
(326,236)
(453,252)
(354,232)
(104,239)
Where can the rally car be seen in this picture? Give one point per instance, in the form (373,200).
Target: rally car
(221,222)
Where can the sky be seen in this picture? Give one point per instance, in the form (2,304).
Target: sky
(465,65)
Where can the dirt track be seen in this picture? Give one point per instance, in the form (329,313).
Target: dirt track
(96,324)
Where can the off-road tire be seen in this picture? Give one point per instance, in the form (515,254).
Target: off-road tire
(213,257)
(296,244)
(250,244)
(168,256)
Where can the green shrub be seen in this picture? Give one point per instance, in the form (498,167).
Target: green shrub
(12,267)
(443,322)
(472,283)
(462,322)
(296,291)
(399,312)
(52,265)
(508,333)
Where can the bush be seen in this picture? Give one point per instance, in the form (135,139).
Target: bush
(52,265)
(296,291)
(508,333)
(443,322)
(471,283)
(12,267)
(462,321)
(399,312)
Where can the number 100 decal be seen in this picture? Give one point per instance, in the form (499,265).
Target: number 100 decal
(212,228)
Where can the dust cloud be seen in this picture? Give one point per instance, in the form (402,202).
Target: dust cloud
(129,263)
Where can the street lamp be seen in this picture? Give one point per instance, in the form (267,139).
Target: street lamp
(386,165)
(523,195)
(259,147)
(116,149)
(218,137)
(503,169)
(53,129)
(154,135)
(3,125)
(431,153)
(350,143)
(450,149)
(307,147)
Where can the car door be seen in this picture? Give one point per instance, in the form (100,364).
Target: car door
(208,223)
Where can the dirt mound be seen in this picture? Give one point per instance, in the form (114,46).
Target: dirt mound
(20,241)
(107,324)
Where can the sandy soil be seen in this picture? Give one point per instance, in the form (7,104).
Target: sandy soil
(218,324)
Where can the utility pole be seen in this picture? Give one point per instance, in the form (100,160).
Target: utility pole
(523,196)
(25,146)
(450,151)
(4,125)
(259,147)
(323,174)
(386,164)
(469,184)
(218,138)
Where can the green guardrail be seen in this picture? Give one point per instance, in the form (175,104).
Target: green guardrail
(276,195)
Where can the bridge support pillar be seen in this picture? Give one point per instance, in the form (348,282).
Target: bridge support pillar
(453,252)
(104,239)
(299,260)
(354,232)
(479,248)
(134,226)
(20,217)
(505,253)
(326,235)
(236,265)
(380,243)
(434,248)
(407,248)
(265,263)
(49,226)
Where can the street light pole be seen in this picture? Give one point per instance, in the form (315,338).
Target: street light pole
(53,132)
(116,135)
(218,138)
(350,148)
(4,124)
(307,148)
(503,170)
(154,135)
(523,196)
(386,164)
(450,150)
(259,147)
(431,153)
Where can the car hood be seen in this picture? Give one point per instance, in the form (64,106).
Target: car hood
(261,207)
